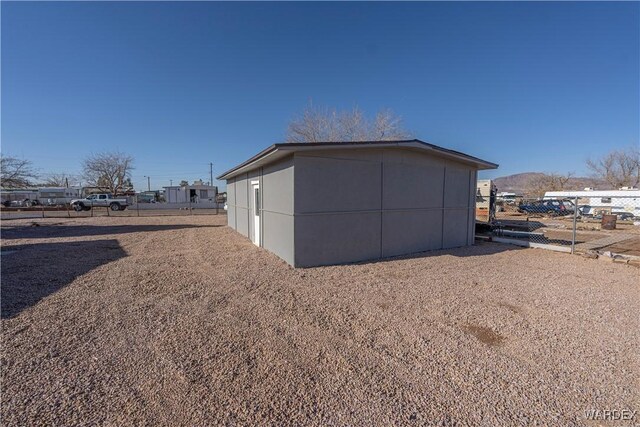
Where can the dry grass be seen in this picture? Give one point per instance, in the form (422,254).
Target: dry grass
(180,321)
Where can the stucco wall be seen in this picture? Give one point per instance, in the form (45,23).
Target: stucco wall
(456,206)
(242,205)
(231,203)
(365,204)
(337,207)
(277,209)
(471,220)
(413,194)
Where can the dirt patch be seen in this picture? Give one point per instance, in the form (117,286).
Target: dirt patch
(484,335)
(626,247)
(513,308)
(182,321)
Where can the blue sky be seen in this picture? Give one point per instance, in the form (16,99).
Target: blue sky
(532,86)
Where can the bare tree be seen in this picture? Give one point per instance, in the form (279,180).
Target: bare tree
(541,183)
(314,125)
(109,171)
(388,126)
(351,126)
(619,168)
(15,173)
(320,124)
(60,179)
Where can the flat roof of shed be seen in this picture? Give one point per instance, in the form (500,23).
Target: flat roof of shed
(277,151)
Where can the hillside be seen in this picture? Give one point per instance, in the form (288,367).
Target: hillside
(518,183)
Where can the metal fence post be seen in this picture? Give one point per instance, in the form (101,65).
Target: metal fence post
(190,209)
(137,205)
(42,210)
(68,212)
(575,224)
(92,208)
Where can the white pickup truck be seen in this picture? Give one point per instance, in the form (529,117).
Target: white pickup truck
(103,200)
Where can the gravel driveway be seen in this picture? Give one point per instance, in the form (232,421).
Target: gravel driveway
(181,321)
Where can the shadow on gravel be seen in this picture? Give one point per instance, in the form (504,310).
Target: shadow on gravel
(35,271)
(478,249)
(42,231)
(521,225)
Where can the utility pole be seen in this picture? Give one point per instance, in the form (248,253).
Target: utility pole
(148,182)
(170,183)
(211,173)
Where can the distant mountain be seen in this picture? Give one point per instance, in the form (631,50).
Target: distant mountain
(515,183)
(518,183)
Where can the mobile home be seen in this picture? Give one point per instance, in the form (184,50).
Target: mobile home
(603,201)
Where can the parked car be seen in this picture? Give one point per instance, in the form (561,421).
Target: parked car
(105,200)
(22,203)
(586,210)
(550,207)
(623,216)
(568,205)
(591,212)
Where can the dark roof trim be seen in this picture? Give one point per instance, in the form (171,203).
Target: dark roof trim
(291,147)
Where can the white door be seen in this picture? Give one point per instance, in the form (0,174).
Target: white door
(256,214)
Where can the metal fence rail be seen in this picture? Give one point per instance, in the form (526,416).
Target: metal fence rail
(133,210)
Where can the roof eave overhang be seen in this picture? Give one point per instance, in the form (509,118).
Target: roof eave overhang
(279,151)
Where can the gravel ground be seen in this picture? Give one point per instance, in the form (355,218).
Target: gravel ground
(181,321)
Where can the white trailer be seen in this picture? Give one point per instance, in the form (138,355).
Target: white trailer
(485,201)
(602,201)
(52,196)
(198,192)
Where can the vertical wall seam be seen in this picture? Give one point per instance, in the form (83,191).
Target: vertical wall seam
(261,192)
(235,203)
(293,209)
(474,186)
(381,204)
(468,207)
(444,187)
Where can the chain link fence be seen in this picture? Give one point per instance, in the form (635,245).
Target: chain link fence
(576,224)
(134,209)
